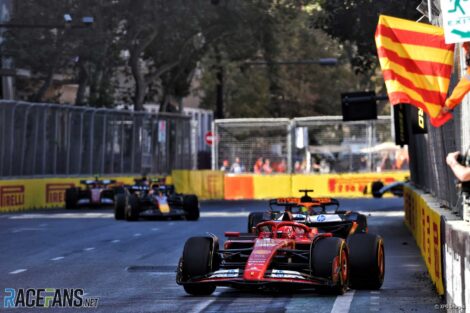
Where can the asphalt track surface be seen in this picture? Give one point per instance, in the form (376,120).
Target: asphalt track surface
(130,266)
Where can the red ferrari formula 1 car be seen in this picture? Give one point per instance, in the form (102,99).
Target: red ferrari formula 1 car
(94,193)
(366,251)
(282,253)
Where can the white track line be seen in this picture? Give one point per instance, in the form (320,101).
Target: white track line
(155,229)
(343,303)
(116,241)
(203,305)
(137,235)
(57,258)
(89,249)
(18,271)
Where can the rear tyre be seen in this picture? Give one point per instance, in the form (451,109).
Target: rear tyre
(254,219)
(329,259)
(120,203)
(191,206)
(376,186)
(367,261)
(71,198)
(199,259)
(132,208)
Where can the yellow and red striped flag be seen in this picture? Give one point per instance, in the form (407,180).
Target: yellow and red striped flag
(416,64)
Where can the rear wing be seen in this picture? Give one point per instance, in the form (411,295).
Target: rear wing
(105,182)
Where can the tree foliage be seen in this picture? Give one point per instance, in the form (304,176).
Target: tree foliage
(154,47)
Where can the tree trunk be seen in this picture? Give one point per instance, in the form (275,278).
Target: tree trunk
(39,96)
(82,83)
(140,84)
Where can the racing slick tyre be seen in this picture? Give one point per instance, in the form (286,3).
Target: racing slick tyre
(132,208)
(254,219)
(366,261)
(376,186)
(361,223)
(191,206)
(120,203)
(71,198)
(199,259)
(329,259)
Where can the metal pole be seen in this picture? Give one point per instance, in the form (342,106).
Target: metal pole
(44,138)
(214,147)
(92,130)
(35,144)
(290,129)
(56,136)
(369,137)
(103,149)
(12,139)
(194,128)
(69,144)
(80,144)
(429,11)
(123,143)
(133,143)
(2,144)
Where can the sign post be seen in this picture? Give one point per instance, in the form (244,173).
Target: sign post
(456,17)
(209,138)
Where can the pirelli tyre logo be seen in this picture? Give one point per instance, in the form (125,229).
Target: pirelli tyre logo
(11,196)
(55,193)
(337,185)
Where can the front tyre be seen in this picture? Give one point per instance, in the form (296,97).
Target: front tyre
(191,206)
(367,261)
(376,186)
(71,198)
(329,259)
(199,259)
(120,204)
(132,208)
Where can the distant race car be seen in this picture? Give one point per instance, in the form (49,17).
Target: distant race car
(379,189)
(95,192)
(154,198)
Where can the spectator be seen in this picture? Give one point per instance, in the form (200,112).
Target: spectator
(461,172)
(282,167)
(267,167)
(297,167)
(225,166)
(257,168)
(324,167)
(236,166)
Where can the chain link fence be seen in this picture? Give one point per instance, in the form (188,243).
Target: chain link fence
(239,143)
(48,139)
(306,145)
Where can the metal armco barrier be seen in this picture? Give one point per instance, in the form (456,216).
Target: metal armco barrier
(457,262)
(445,246)
(46,139)
(425,225)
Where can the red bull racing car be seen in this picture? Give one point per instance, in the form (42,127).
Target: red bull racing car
(95,192)
(303,246)
(154,198)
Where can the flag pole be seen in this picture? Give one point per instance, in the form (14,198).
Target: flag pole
(429,12)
